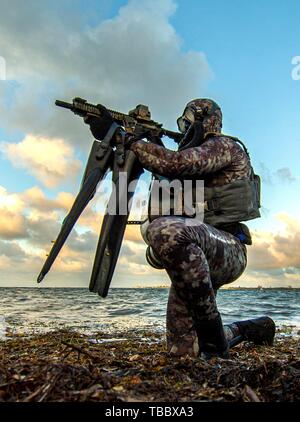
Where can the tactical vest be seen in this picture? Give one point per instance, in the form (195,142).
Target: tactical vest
(234,202)
(231,203)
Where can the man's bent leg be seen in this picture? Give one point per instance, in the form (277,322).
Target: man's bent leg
(178,247)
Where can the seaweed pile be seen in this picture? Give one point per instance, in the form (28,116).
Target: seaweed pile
(69,366)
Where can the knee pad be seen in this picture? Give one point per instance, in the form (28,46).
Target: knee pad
(153,260)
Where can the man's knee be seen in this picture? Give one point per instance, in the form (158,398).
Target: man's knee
(167,234)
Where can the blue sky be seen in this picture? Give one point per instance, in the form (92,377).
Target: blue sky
(243,50)
(249,46)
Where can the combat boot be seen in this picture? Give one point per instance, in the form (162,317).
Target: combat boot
(211,339)
(260,331)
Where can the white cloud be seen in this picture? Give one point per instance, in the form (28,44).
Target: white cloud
(12,221)
(282,175)
(135,57)
(51,161)
(285,175)
(29,221)
(274,257)
(278,249)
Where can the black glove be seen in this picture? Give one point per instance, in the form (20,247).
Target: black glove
(130,139)
(100,125)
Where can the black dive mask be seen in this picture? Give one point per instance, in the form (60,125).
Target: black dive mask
(186,120)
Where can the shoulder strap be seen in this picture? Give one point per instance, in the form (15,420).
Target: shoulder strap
(240,142)
(234,138)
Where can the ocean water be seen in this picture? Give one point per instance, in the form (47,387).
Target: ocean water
(28,310)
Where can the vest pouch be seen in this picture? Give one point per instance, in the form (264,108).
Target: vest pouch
(234,202)
(239,230)
(257,190)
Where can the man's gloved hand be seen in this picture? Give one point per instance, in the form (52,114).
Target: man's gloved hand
(131,139)
(100,125)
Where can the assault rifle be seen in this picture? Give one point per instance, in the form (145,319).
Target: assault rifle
(137,121)
(110,153)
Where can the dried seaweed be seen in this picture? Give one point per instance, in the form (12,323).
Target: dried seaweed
(68,366)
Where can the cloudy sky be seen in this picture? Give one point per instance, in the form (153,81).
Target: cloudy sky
(157,52)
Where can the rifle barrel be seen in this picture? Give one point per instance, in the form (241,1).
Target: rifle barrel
(64,104)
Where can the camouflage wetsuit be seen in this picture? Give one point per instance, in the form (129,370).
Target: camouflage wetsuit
(202,256)
(198,259)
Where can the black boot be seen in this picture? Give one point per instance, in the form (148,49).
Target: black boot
(260,331)
(211,339)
